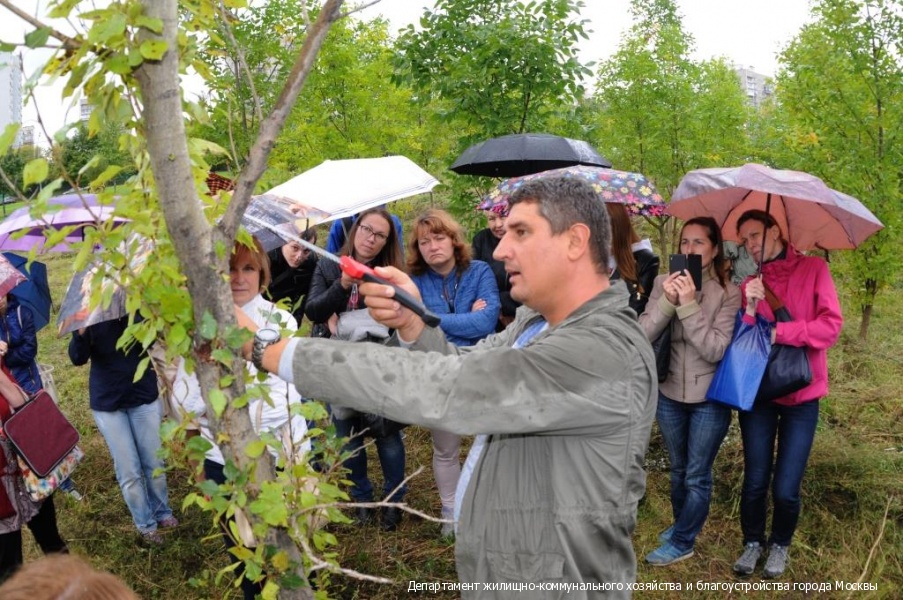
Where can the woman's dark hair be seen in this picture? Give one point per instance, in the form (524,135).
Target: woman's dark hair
(390,255)
(623,237)
(437,221)
(719,264)
(760,216)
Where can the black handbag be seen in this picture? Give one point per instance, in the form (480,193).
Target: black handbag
(662,349)
(788,367)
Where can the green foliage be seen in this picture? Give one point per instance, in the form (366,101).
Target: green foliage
(504,65)
(841,96)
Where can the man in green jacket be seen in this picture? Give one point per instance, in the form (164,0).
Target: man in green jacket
(562,402)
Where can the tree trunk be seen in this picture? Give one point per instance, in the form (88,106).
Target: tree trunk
(193,237)
(871,290)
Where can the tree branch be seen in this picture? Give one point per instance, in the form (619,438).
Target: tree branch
(270,128)
(68,42)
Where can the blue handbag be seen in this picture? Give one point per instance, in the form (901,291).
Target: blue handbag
(740,371)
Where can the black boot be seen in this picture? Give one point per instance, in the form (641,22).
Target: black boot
(391,518)
(363,515)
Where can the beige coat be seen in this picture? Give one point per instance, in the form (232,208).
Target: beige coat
(700,333)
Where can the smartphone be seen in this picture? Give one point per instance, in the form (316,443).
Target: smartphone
(692,263)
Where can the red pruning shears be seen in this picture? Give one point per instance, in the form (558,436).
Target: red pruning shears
(357,270)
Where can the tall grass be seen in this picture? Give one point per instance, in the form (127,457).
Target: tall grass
(855,475)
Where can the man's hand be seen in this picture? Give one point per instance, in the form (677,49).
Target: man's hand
(383,308)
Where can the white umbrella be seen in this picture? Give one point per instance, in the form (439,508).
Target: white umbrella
(347,187)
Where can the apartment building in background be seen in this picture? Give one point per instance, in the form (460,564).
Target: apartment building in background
(11,91)
(756,87)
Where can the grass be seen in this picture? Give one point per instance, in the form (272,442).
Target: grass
(851,527)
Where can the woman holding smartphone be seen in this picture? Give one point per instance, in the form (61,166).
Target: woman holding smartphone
(702,324)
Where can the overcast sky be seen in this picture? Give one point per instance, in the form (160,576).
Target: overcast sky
(748,32)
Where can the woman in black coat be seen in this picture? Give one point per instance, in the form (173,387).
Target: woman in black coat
(634,261)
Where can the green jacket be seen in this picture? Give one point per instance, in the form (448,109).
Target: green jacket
(554,495)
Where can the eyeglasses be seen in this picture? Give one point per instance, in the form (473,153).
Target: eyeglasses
(368,232)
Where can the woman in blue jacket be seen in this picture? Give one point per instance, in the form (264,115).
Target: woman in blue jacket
(463,292)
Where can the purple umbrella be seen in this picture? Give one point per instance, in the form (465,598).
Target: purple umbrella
(70,210)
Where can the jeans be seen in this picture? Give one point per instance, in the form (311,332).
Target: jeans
(693,434)
(133,437)
(794,429)
(391,457)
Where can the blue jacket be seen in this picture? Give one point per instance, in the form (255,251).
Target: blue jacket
(111,384)
(17,330)
(453,296)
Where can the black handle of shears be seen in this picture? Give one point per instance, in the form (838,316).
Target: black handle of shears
(429,318)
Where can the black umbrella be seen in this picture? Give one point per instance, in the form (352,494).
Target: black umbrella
(526,153)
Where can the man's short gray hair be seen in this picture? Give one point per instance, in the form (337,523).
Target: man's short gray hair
(565,201)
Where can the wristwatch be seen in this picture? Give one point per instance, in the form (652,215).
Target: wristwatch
(264,338)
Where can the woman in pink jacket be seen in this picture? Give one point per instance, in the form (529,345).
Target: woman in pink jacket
(805,286)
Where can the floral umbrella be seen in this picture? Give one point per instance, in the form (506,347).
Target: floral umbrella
(633,190)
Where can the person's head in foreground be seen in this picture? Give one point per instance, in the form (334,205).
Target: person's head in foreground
(64,577)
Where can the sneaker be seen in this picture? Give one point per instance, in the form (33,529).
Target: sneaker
(75,495)
(667,554)
(665,536)
(169,522)
(776,561)
(746,564)
(448,528)
(152,537)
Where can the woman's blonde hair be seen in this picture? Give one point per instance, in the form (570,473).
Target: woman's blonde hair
(64,577)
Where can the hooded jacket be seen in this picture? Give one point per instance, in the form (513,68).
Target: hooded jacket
(805,286)
(553,497)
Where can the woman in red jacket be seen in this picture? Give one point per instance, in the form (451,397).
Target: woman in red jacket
(16,507)
(805,286)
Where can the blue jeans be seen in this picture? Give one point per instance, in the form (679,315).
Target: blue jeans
(693,434)
(391,457)
(133,437)
(794,429)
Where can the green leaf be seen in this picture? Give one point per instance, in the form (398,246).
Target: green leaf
(9,136)
(37,38)
(7,46)
(108,173)
(255,448)
(218,401)
(119,64)
(105,29)
(35,171)
(153,49)
(155,25)
(208,326)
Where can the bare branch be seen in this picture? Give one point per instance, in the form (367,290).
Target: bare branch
(361,7)
(242,62)
(68,42)
(270,128)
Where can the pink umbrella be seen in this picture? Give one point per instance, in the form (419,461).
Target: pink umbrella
(72,209)
(810,214)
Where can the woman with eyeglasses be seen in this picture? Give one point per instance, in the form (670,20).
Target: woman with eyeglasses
(463,292)
(373,241)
